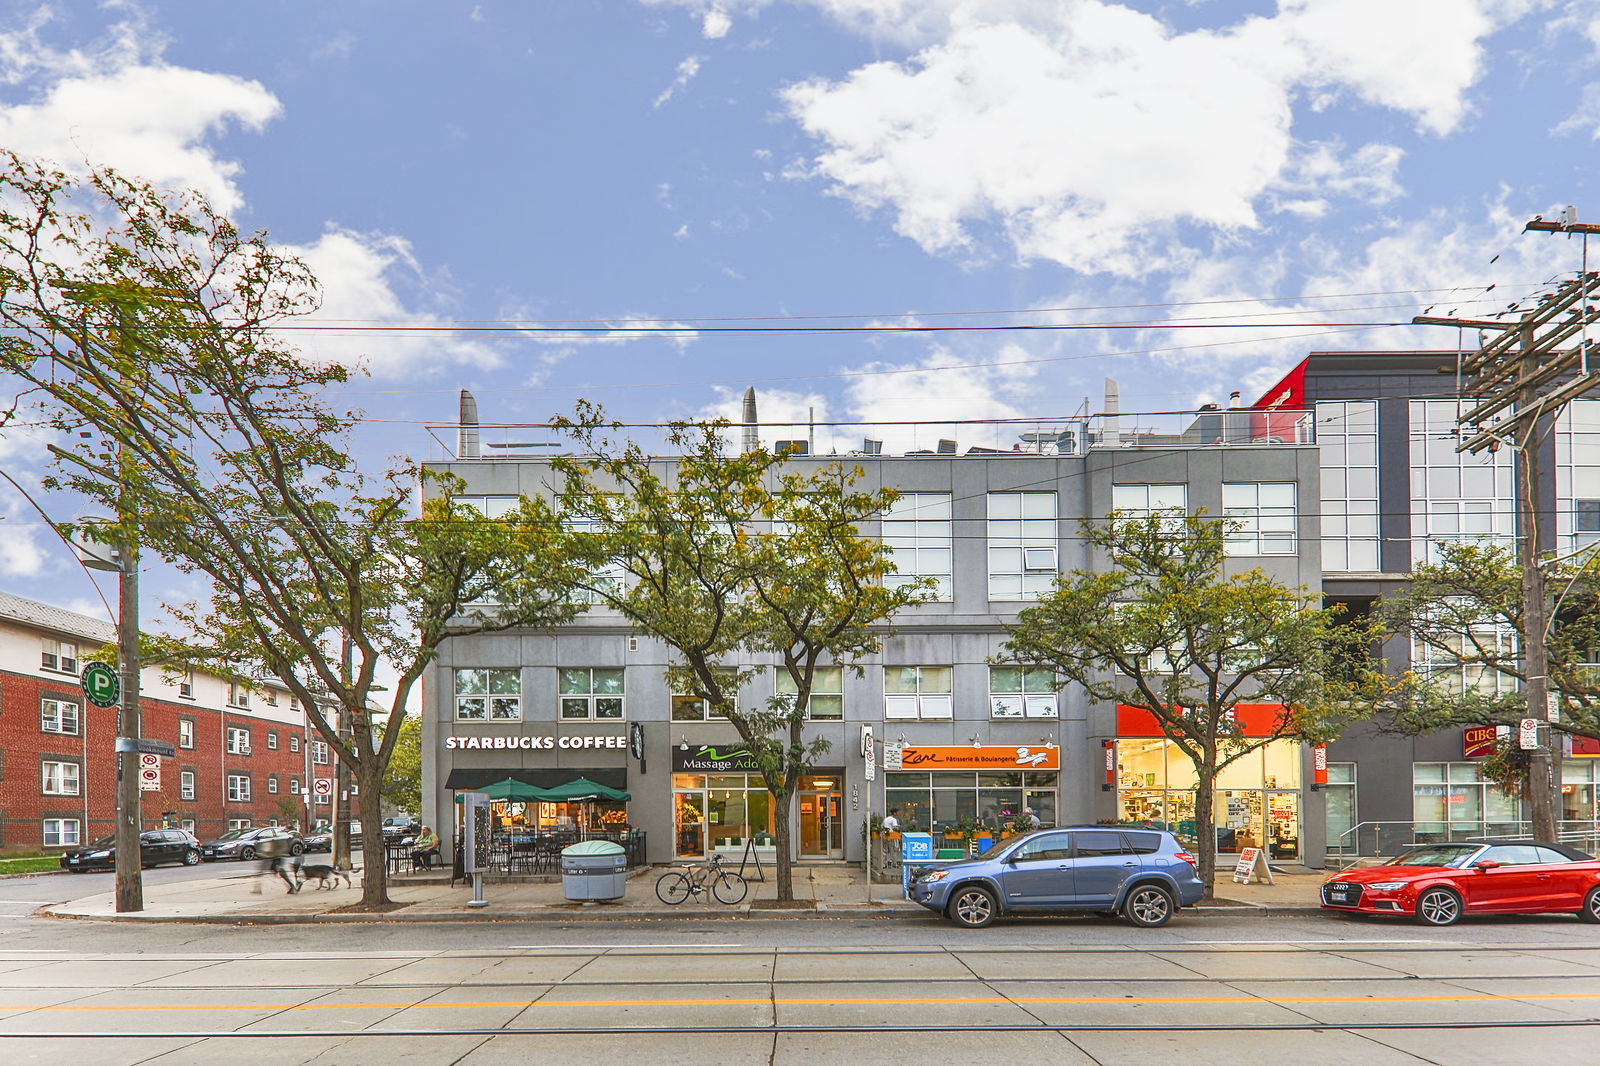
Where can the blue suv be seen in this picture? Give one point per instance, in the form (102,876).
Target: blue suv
(1142,874)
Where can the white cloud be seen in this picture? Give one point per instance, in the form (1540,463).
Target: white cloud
(687,69)
(782,414)
(716,24)
(937,395)
(120,105)
(1074,132)
(359,274)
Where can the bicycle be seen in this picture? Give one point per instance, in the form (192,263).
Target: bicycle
(673,887)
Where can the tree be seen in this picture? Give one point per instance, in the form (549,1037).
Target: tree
(1163,628)
(141,323)
(729,559)
(1463,616)
(402,779)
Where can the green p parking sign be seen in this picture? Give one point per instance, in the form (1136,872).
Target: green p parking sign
(100,685)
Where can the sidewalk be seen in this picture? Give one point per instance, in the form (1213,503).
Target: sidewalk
(832,891)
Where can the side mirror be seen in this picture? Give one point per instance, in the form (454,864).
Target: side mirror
(1488,864)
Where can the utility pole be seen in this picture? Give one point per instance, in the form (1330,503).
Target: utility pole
(130,865)
(1521,378)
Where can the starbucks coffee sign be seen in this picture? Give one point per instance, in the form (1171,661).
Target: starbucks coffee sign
(587,742)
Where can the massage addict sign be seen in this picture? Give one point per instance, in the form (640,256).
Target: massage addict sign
(734,758)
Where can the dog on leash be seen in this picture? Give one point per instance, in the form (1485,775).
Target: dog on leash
(323,873)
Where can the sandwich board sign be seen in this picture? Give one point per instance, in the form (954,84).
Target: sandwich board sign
(1252,864)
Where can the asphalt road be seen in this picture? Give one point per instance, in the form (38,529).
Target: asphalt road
(1206,989)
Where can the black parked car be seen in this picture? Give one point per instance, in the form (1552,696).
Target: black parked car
(246,843)
(321,838)
(156,846)
(395,828)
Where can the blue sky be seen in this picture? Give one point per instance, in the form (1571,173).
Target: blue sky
(658,165)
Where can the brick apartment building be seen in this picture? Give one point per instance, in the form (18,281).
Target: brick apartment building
(241,750)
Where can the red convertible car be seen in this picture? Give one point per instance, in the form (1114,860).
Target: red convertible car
(1437,884)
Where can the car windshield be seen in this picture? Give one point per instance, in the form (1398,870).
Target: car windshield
(1434,855)
(233,834)
(102,843)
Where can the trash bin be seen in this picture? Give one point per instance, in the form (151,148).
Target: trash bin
(594,869)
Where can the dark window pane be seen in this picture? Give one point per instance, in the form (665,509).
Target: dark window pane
(1143,843)
(1094,842)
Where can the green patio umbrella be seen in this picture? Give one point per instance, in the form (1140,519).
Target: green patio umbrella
(512,789)
(581,788)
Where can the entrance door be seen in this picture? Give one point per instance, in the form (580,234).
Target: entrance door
(690,822)
(821,825)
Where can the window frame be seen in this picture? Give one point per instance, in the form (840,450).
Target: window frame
(492,706)
(60,825)
(821,676)
(232,742)
(1041,703)
(1019,531)
(186,733)
(904,522)
(187,784)
(941,702)
(60,728)
(60,777)
(237,794)
(589,699)
(1251,537)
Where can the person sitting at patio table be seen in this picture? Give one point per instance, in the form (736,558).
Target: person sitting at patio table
(425,849)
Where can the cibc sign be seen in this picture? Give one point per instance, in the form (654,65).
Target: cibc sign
(1478,741)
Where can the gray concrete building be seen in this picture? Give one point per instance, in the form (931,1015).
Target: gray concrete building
(993,526)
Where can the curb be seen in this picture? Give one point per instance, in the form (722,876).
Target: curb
(743,913)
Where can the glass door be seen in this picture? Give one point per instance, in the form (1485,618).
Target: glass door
(690,823)
(821,825)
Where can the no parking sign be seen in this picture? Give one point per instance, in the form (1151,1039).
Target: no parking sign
(149,773)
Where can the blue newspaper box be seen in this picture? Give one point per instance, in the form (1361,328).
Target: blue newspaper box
(914,847)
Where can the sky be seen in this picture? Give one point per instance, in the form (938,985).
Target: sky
(596,199)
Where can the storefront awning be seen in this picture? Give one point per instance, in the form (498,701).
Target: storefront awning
(472,778)
(584,789)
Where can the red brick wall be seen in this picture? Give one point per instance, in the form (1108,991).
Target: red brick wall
(23,746)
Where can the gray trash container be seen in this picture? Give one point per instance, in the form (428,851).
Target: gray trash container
(594,869)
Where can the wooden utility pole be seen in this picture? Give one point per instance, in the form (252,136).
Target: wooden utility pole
(1521,378)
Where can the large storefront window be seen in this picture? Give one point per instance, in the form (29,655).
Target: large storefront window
(946,798)
(1256,801)
(1452,801)
(1580,791)
(720,811)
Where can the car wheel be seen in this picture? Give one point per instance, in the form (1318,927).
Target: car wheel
(1148,906)
(191,857)
(973,907)
(1438,906)
(297,848)
(246,854)
(1591,906)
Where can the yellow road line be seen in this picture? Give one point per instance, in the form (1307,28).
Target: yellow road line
(989,1001)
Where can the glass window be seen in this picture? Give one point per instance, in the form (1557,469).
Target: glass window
(238,741)
(1022,692)
(916,692)
(186,732)
(59,655)
(607,580)
(1022,545)
(272,740)
(60,833)
(1265,516)
(1093,844)
(238,788)
(1578,475)
(58,716)
(1141,501)
(1451,801)
(294,743)
(488,695)
(590,692)
(1460,661)
(827,692)
(186,784)
(272,784)
(1050,847)
(918,532)
(688,708)
(60,778)
(1455,496)
(1347,435)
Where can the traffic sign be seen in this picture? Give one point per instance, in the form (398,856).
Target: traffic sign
(100,685)
(149,773)
(322,786)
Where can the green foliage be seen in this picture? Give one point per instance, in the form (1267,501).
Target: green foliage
(1163,627)
(144,326)
(732,558)
(290,810)
(402,778)
(1459,609)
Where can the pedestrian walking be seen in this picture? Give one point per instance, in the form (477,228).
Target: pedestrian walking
(275,859)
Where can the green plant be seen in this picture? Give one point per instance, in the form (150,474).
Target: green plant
(967,828)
